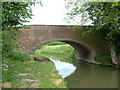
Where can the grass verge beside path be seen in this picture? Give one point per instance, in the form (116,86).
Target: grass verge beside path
(32,74)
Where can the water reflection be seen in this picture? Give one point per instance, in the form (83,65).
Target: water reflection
(92,76)
(64,69)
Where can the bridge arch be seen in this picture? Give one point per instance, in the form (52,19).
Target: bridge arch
(82,52)
(86,46)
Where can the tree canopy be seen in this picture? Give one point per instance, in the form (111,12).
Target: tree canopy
(105,18)
(13,16)
(15,13)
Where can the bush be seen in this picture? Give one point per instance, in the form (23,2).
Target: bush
(104,59)
(10,48)
(19,56)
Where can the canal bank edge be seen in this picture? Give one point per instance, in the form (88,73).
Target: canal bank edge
(98,63)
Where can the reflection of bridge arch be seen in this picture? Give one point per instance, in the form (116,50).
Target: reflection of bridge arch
(86,46)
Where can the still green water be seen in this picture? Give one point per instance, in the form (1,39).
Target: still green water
(93,76)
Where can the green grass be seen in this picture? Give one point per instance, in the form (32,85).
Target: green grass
(55,43)
(64,52)
(45,75)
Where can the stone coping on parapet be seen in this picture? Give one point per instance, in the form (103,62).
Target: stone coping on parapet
(57,25)
(53,27)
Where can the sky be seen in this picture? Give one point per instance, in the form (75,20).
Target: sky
(51,13)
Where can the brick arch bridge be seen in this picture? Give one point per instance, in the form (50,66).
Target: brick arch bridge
(86,46)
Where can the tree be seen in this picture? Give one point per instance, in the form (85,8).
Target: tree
(13,16)
(15,13)
(105,17)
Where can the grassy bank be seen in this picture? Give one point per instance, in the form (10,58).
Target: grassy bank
(36,74)
(31,74)
(64,52)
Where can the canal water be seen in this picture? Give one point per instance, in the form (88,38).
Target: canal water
(93,76)
(85,75)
